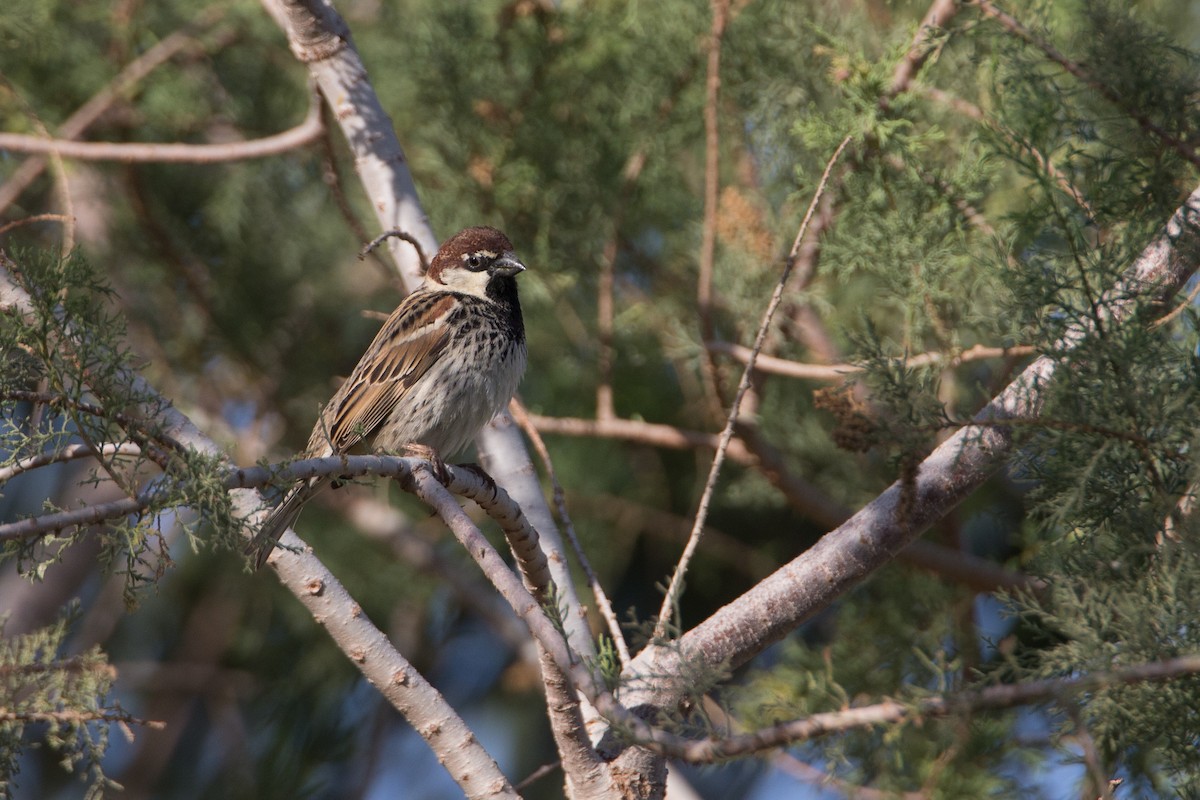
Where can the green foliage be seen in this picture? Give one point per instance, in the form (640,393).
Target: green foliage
(52,700)
(238,284)
(71,381)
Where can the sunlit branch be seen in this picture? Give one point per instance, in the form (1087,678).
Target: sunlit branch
(521,537)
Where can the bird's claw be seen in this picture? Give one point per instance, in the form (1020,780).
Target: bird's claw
(440,472)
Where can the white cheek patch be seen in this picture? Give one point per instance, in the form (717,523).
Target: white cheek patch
(467,282)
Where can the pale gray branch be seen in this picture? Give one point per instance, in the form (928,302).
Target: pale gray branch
(874,535)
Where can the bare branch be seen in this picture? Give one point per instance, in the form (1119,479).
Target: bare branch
(389,672)
(17,223)
(378,520)
(651,433)
(837,372)
(891,712)
(521,537)
(320,39)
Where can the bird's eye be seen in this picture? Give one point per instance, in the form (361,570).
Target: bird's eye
(475,261)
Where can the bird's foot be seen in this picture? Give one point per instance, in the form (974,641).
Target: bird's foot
(440,472)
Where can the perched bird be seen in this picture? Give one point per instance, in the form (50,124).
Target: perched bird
(445,362)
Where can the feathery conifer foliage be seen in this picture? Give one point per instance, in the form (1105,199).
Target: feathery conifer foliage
(980,217)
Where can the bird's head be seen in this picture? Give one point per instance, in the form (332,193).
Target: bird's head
(474,260)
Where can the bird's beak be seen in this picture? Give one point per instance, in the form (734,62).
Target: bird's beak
(506,265)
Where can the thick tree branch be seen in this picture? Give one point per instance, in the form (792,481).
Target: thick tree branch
(873,536)
(464,758)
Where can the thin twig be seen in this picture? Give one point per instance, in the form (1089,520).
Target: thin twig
(674,588)
(1179,309)
(397,234)
(603,604)
(538,774)
(891,712)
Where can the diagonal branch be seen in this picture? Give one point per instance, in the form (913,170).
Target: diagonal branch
(367,647)
(706,751)
(873,536)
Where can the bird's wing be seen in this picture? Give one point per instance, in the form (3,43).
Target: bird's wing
(407,345)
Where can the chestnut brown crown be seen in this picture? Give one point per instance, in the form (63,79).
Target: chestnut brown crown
(478,249)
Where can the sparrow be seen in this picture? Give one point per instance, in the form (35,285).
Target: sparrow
(443,364)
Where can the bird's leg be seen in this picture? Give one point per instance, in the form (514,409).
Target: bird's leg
(415,450)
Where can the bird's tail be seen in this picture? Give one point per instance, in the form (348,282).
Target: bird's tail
(282,517)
